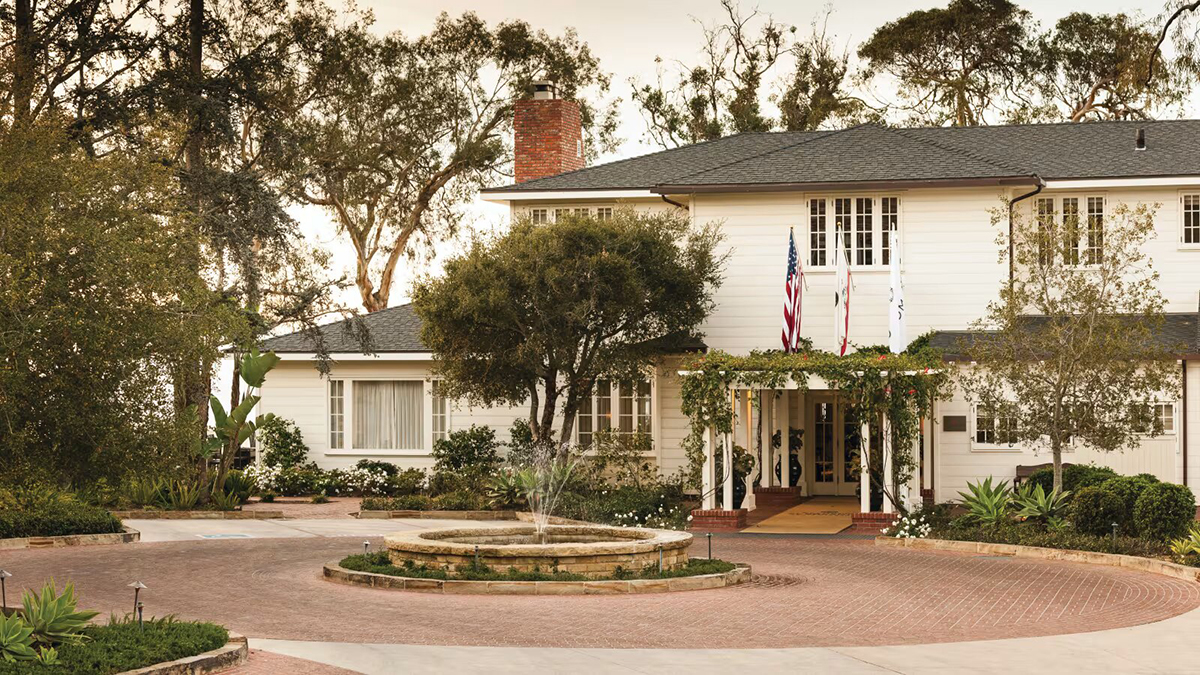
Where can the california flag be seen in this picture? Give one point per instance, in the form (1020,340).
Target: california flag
(841,296)
(897,333)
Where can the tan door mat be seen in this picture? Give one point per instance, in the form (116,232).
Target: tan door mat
(821,515)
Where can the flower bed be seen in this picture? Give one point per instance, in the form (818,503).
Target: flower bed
(122,646)
(379,563)
(55,517)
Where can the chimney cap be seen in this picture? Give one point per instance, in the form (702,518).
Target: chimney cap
(544,90)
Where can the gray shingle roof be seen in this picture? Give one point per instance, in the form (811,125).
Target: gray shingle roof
(873,153)
(395,329)
(1178,330)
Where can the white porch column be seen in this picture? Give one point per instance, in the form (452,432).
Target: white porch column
(864,473)
(708,498)
(727,472)
(914,483)
(886,441)
(785,441)
(768,472)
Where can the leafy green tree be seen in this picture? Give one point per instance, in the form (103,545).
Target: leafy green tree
(1071,351)
(537,316)
(93,310)
(1095,66)
(400,132)
(817,92)
(957,64)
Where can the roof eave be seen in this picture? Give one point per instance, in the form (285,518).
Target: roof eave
(998,181)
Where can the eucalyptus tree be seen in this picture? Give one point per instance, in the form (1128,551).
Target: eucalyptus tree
(961,64)
(401,131)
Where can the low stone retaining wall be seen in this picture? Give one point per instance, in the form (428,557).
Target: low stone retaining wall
(590,550)
(718,520)
(234,653)
(198,515)
(128,536)
(442,515)
(1151,565)
(739,575)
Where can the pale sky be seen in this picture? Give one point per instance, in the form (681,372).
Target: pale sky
(627,35)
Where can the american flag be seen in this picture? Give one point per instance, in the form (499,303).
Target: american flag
(793,291)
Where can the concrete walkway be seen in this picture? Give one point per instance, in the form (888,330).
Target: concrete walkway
(197,530)
(1166,646)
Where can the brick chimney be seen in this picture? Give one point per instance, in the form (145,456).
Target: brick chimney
(548,134)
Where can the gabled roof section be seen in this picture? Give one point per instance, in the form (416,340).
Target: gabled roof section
(1179,330)
(392,330)
(876,155)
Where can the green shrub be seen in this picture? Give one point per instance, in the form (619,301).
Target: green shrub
(461,500)
(1027,535)
(379,563)
(1075,476)
(122,645)
(398,503)
(377,465)
(1128,488)
(320,498)
(239,485)
(57,518)
(444,482)
(267,497)
(1164,511)
(1095,509)
(506,490)
(283,444)
(470,453)
(407,482)
(520,443)
(299,480)
(658,506)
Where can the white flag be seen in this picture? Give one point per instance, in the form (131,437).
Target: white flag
(897,333)
(841,296)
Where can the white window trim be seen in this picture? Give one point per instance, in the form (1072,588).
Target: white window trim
(329,414)
(348,420)
(615,398)
(1179,241)
(976,446)
(830,232)
(1174,431)
(1083,213)
(552,209)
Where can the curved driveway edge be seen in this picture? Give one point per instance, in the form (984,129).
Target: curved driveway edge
(1151,565)
(128,535)
(234,653)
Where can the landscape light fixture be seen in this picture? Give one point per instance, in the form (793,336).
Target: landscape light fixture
(4,574)
(660,561)
(366,548)
(137,587)
(710,545)
(141,626)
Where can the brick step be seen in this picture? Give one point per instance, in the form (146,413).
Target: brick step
(777,496)
(718,520)
(870,523)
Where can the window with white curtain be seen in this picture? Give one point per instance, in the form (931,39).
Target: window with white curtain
(337,414)
(388,414)
(630,401)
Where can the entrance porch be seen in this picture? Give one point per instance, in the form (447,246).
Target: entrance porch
(825,490)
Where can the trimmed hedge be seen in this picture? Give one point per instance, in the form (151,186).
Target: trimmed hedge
(379,563)
(1027,534)
(1075,476)
(1128,489)
(1095,509)
(55,519)
(122,646)
(1164,511)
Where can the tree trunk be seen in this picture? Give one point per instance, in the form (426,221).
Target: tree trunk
(1056,452)
(545,425)
(23,60)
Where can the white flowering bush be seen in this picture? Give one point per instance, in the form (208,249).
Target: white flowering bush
(911,526)
(265,476)
(365,482)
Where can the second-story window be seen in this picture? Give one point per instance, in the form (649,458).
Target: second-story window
(864,223)
(1074,225)
(1191,219)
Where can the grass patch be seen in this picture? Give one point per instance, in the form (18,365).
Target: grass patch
(121,645)
(378,563)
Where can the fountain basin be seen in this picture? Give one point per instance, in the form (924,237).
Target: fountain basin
(594,551)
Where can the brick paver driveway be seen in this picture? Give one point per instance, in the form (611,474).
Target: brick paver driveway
(809,592)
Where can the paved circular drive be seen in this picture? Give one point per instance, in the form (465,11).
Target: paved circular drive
(810,592)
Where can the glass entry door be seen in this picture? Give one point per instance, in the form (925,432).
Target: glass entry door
(835,449)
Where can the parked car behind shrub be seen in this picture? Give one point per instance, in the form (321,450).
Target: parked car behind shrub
(1164,511)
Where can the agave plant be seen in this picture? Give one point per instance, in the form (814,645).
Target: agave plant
(506,489)
(1034,504)
(52,617)
(16,639)
(987,504)
(224,501)
(1184,547)
(146,491)
(181,496)
(238,483)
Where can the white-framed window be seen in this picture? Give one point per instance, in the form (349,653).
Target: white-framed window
(624,407)
(441,412)
(604,213)
(1164,413)
(337,414)
(539,216)
(1079,220)
(993,429)
(388,414)
(1189,209)
(864,222)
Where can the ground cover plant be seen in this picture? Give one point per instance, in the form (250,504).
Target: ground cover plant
(379,563)
(48,512)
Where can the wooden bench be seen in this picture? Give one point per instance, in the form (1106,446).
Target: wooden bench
(1025,471)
